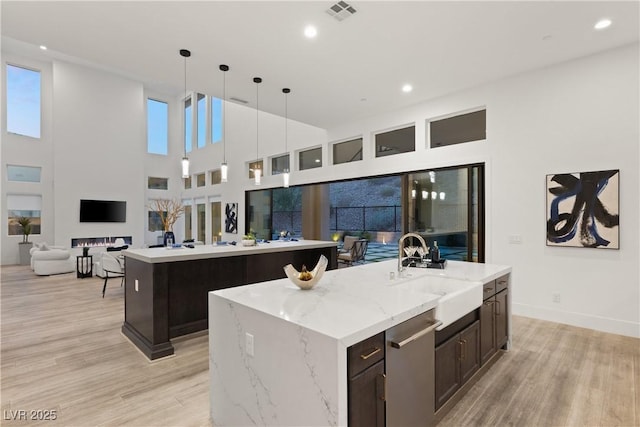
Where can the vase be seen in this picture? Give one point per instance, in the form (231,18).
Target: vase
(169,235)
(25,252)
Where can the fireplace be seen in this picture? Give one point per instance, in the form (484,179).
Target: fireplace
(98,242)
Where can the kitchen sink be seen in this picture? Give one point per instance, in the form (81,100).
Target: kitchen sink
(457,297)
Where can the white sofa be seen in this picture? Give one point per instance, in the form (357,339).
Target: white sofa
(47,260)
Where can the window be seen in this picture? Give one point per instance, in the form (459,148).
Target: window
(154,183)
(216,120)
(187,183)
(27,206)
(253,165)
(188,226)
(201,218)
(396,141)
(157,127)
(23,173)
(216,221)
(348,151)
(23,101)
(445,205)
(188,131)
(458,129)
(201,180)
(280,164)
(155,222)
(310,159)
(216,177)
(202,120)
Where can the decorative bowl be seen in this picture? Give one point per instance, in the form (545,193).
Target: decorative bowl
(316,274)
(248,242)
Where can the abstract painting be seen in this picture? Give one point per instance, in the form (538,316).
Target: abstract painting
(583,209)
(231,218)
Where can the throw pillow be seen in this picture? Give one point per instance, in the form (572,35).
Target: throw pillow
(44,247)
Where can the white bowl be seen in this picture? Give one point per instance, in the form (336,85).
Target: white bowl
(249,242)
(316,274)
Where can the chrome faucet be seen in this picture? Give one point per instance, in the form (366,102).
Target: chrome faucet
(401,248)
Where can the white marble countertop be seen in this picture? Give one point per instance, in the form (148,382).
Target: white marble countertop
(158,255)
(351,304)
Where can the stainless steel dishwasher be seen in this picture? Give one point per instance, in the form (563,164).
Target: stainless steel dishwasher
(410,371)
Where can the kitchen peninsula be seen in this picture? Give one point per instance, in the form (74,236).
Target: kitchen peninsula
(283,356)
(166,289)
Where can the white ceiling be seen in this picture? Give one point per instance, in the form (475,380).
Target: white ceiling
(353,69)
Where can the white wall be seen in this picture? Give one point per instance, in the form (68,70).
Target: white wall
(98,128)
(582,115)
(577,116)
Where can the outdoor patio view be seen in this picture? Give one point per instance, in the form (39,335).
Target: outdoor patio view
(441,206)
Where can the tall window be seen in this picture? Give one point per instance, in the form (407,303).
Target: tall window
(188,128)
(201,218)
(216,221)
(202,120)
(188,226)
(27,206)
(216,120)
(157,127)
(443,206)
(23,101)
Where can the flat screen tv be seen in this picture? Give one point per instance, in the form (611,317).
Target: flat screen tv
(103,211)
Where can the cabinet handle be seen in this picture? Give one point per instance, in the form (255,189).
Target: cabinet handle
(415,336)
(384,387)
(497,308)
(366,356)
(462,356)
(488,302)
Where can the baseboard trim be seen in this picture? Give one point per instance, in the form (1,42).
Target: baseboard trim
(604,324)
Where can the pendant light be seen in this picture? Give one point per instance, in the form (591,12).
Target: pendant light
(285,175)
(223,167)
(256,170)
(185,160)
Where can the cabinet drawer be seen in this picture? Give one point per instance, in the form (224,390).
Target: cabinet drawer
(502,283)
(489,289)
(364,354)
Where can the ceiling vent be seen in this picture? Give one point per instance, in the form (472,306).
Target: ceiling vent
(341,10)
(238,100)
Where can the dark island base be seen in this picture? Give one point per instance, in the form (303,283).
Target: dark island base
(171,299)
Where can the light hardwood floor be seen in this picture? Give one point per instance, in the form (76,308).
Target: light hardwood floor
(62,350)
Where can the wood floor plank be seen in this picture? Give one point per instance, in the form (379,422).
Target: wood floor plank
(62,349)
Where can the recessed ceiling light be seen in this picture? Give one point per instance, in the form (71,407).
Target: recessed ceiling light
(407,88)
(602,24)
(43,47)
(310,32)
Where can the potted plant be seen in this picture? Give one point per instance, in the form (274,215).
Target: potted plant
(249,239)
(169,210)
(25,246)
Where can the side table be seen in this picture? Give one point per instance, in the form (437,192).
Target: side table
(84,266)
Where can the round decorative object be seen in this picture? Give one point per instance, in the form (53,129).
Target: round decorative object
(316,274)
(248,242)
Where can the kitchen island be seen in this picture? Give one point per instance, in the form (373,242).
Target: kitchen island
(278,354)
(166,289)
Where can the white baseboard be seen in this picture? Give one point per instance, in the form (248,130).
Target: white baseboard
(604,324)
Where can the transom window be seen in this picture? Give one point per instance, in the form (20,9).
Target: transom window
(396,142)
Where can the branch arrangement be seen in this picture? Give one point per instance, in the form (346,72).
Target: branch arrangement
(169,211)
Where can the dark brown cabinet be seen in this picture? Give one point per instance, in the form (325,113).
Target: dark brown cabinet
(365,369)
(456,360)
(493,318)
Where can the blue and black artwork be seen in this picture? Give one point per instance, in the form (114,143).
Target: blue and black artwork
(231,218)
(592,220)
